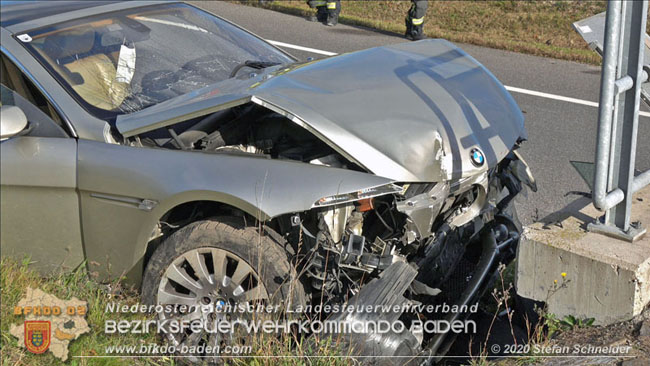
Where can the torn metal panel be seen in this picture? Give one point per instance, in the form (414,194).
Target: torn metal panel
(463,215)
(384,292)
(423,209)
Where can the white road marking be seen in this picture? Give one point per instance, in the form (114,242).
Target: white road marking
(509,88)
(551,96)
(561,98)
(174,24)
(301,48)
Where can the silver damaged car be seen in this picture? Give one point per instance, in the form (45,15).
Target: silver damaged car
(166,144)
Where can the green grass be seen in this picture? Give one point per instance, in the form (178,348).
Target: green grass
(542,28)
(16,277)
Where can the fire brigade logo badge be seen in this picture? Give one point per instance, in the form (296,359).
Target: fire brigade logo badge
(50,324)
(37,336)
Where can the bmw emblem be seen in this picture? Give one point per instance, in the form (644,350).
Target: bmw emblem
(477,157)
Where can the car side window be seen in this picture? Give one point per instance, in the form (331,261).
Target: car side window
(40,124)
(18,90)
(13,78)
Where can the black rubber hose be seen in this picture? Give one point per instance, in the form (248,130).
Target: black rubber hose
(487,260)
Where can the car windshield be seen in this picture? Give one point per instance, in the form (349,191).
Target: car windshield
(122,62)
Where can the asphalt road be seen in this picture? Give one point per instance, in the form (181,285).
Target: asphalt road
(559,131)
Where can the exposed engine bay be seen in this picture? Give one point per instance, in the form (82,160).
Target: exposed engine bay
(450,235)
(441,241)
(247,129)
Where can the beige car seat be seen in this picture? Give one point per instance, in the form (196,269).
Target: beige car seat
(92,76)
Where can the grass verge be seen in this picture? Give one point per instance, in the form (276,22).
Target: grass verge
(16,277)
(541,28)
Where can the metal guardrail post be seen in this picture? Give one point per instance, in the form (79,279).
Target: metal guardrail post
(618,117)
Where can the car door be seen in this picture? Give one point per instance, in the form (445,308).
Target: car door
(39,204)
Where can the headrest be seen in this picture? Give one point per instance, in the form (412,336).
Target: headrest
(69,43)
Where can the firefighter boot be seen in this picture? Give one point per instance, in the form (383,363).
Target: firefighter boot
(409,28)
(321,15)
(417,33)
(332,20)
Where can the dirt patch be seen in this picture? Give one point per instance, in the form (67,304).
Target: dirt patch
(634,333)
(621,344)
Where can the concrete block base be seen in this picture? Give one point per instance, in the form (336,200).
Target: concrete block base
(607,279)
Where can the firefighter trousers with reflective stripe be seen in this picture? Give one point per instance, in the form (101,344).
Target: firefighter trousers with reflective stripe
(331,7)
(417,11)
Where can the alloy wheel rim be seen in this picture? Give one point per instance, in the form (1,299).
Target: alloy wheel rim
(206,276)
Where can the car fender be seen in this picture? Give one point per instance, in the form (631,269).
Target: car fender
(125,191)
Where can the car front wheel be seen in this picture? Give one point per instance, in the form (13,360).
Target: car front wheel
(208,265)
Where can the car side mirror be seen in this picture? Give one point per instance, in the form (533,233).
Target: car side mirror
(12,121)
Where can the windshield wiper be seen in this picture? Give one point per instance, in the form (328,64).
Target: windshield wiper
(252,64)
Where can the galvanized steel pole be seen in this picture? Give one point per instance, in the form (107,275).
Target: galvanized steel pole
(618,116)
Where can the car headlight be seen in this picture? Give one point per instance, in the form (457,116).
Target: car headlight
(358,195)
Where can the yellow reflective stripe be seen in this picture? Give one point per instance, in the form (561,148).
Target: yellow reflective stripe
(331,5)
(318,3)
(417,21)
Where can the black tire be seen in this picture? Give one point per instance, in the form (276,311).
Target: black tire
(261,252)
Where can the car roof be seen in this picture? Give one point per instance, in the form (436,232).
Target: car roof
(20,16)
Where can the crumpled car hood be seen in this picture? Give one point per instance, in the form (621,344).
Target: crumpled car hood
(412,112)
